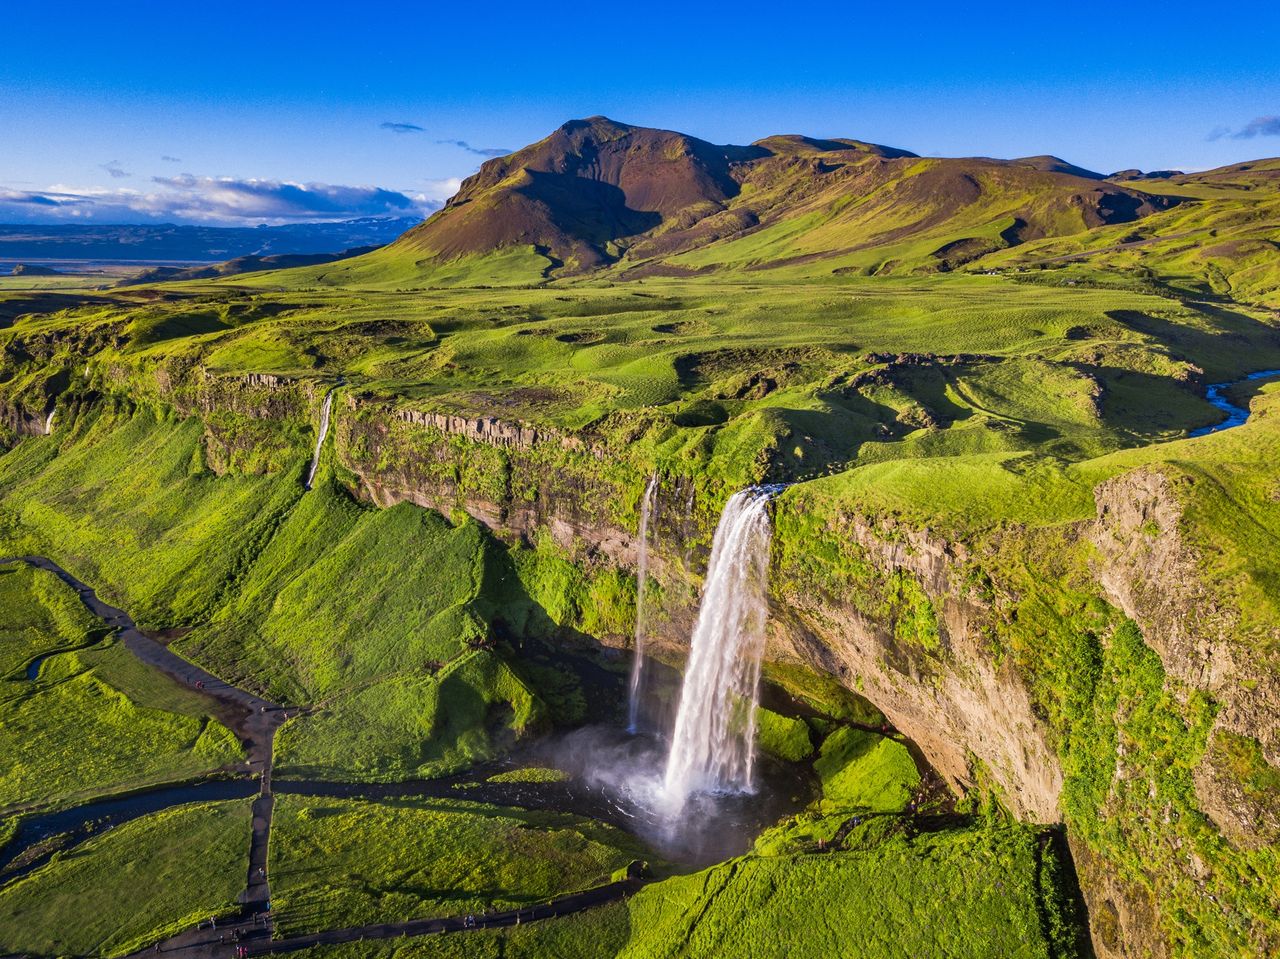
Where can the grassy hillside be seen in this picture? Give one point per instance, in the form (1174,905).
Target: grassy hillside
(597,193)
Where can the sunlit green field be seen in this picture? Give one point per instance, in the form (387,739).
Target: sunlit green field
(92,720)
(337,863)
(137,883)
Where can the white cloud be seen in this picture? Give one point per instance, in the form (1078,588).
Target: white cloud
(226,200)
(437,191)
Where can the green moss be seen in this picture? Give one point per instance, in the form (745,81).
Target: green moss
(915,621)
(414,726)
(529,774)
(1243,760)
(861,770)
(783,737)
(822,693)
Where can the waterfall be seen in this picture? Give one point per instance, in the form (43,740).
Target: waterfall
(642,575)
(48,421)
(713,747)
(324,429)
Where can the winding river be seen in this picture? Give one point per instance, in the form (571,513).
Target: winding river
(1236,415)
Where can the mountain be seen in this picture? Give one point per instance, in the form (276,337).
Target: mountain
(597,193)
(208,244)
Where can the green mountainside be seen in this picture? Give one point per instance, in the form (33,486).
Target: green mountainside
(1022,676)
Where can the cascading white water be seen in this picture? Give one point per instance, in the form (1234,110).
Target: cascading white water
(713,748)
(642,575)
(324,429)
(48,421)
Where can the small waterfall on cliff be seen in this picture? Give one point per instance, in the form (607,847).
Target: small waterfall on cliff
(48,421)
(324,430)
(713,748)
(642,575)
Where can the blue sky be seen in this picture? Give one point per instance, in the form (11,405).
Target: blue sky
(169,111)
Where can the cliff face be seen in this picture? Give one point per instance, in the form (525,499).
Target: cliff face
(1009,658)
(961,644)
(921,653)
(921,656)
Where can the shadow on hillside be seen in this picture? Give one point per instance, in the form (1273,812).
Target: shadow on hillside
(580,678)
(1145,404)
(593,209)
(13,307)
(1239,344)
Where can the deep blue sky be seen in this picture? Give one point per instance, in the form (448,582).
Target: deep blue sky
(232,92)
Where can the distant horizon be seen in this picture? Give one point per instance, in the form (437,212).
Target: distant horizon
(303,113)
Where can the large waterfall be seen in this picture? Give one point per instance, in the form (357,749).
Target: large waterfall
(713,747)
(324,429)
(642,575)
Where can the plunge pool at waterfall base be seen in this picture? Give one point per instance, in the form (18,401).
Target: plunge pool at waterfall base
(622,774)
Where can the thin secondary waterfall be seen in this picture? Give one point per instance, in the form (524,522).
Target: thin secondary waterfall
(713,748)
(324,430)
(48,421)
(642,576)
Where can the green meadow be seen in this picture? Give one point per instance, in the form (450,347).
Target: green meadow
(963,895)
(92,720)
(337,863)
(140,882)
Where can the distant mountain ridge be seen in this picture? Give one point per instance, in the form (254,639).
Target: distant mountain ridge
(208,244)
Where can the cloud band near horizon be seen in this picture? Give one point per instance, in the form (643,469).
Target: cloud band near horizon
(213,200)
